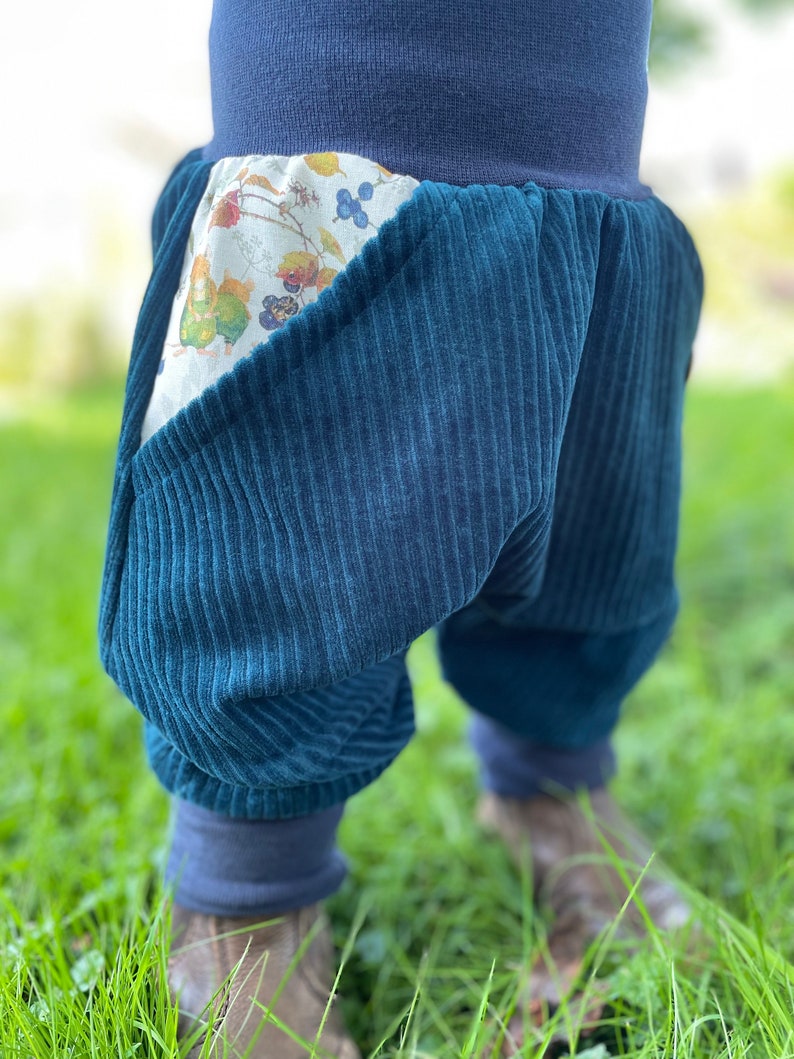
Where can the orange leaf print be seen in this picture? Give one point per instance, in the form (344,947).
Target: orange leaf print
(325,277)
(260,181)
(299,266)
(242,174)
(227,212)
(383,169)
(331,245)
(326,164)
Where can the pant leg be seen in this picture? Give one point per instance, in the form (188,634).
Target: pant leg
(551,646)
(285,756)
(561,690)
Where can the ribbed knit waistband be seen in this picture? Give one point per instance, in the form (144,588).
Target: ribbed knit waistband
(508,93)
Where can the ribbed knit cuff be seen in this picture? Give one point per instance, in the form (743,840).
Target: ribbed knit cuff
(520,768)
(223,866)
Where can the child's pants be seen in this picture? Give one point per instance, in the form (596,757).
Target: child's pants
(476,426)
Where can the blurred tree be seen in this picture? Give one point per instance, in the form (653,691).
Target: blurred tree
(678,36)
(681,32)
(761,6)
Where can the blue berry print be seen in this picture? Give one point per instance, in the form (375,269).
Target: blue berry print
(347,206)
(277,311)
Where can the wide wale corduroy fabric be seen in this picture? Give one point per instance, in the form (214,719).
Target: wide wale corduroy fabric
(480,417)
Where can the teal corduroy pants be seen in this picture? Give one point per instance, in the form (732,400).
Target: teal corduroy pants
(476,427)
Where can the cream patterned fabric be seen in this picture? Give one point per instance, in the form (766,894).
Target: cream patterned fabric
(272,231)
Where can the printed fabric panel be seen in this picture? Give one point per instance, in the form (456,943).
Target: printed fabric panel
(270,234)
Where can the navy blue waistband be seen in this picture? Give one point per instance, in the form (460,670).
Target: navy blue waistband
(467,93)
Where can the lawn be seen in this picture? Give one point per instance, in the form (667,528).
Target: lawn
(435,924)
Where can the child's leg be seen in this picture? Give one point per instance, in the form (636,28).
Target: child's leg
(547,656)
(546,706)
(555,641)
(247,899)
(555,695)
(233,873)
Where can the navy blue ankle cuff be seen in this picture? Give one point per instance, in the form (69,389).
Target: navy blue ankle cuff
(520,768)
(219,865)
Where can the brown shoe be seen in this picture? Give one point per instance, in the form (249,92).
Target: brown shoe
(572,870)
(228,975)
(579,882)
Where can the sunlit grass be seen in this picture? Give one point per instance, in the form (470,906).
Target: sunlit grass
(439,925)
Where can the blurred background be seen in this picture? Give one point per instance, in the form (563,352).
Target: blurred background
(100,101)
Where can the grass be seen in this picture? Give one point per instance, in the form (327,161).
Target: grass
(436,923)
